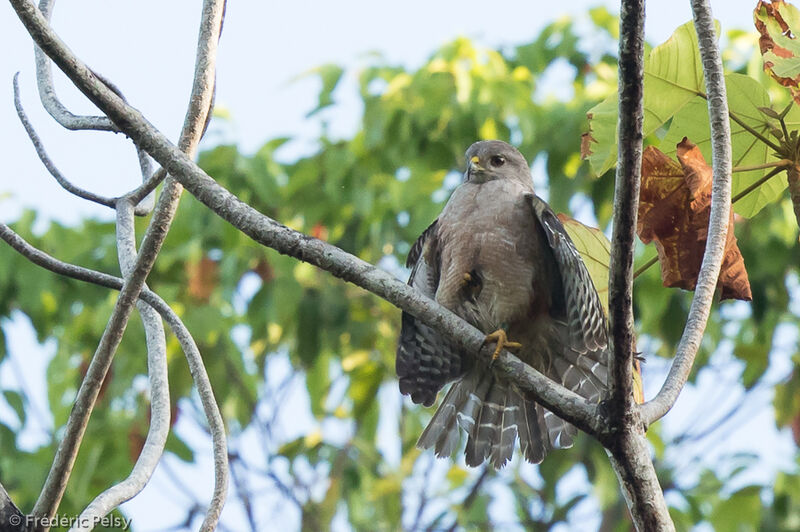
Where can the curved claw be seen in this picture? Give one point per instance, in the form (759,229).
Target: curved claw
(500,337)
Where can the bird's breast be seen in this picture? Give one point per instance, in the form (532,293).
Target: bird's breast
(488,232)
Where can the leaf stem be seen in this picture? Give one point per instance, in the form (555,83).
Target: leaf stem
(783,163)
(643,268)
(753,132)
(747,128)
(775,171)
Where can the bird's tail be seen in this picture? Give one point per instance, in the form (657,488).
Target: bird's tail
(493,413)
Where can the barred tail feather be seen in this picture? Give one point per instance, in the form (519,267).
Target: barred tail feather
(442,430)
(485,433)
(492,413)
(585,374)
(533,441)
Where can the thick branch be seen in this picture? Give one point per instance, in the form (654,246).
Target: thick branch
(718,222)
(627,446)
(193,357)
(626,204)
(268,232)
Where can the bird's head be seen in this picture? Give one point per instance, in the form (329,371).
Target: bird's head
(495,159)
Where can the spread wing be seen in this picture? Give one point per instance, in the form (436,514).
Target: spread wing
(586,320)
(425,361)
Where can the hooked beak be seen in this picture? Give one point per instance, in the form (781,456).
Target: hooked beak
(474,168)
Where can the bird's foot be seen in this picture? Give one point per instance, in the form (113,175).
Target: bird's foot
(500,337)
(471,279)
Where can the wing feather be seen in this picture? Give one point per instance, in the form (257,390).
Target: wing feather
(425,361)
(586,320)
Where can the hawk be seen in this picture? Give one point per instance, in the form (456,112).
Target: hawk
(498,257)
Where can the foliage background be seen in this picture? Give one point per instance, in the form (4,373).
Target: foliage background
(303,364)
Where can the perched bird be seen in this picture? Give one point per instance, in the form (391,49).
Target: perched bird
(498,257)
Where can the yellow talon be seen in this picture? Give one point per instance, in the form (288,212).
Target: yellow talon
(502,340)
(467,278)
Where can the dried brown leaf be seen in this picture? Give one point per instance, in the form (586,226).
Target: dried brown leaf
(777,23)
(674,209)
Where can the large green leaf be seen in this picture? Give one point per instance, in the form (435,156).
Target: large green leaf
(673,75)
(745,96)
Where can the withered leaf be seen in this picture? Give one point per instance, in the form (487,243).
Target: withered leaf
(777,23)
(203,277)
(674,209)
(586,143)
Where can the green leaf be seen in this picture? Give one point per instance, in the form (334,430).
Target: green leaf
(318,382)
(740,512)
(745,96)
(673,76)
(330,75)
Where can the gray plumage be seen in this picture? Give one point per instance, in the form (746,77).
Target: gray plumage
(499,257)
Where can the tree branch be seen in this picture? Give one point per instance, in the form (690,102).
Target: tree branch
(564,403)
(158,431)
(192,353)
(47,91)
(718,222)
(47,162)
(626,445)
(626,203)
(199,108)
(51,103)
(11,518)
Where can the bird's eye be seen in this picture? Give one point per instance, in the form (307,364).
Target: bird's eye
(498,160)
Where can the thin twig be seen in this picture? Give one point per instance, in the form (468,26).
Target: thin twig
(758,183)
(243,492)
(47,91)
(718,222)
(48,163)
(783,163)
(471,496)
(643,268)
(144,204)
(138,194)
(749,129)
(184,337)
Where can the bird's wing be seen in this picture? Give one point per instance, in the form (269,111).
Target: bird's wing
(586,320)
(425,361)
